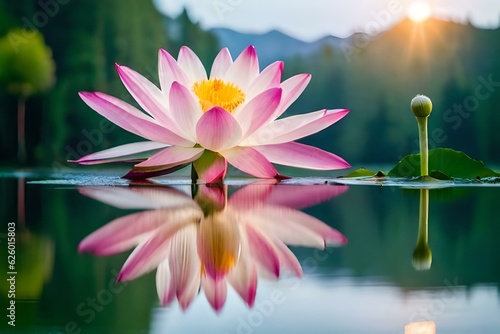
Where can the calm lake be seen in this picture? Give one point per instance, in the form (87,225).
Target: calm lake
(368,285)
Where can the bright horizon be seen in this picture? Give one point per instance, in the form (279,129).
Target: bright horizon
(323,17)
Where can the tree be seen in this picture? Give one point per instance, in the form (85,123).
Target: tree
(26,68)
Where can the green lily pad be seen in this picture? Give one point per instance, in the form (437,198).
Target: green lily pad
(361,172)
(444,163)
(436,174)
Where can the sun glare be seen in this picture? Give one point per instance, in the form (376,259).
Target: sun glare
(419,11)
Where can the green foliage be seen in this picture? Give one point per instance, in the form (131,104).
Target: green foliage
(182,31)
(96,35)
(6,21)
(443,163)
(26,64)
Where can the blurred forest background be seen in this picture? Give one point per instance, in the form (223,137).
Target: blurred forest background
(374,76)
(79,41)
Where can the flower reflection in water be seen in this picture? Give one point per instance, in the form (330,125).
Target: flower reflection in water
(210,240)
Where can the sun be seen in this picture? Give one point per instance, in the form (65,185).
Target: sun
(419,11)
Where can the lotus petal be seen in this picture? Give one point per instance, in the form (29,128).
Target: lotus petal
(218,244)
(295,127)
(141,174)
(218,130)
(173,155)
(165,284)
(211,167)
(149,97)
(258,111)
(191,65)
(151,253)
(294,227)
(263,251)
(292,88)
(185,264)
(287,259)
(215,291)
(243,277)
(138,198)
(120,153)
(185,110)
(221,63)
(250,161)
(131,119)
(169,71)
(300,155)
(124,233)
(270,77)
(244,69)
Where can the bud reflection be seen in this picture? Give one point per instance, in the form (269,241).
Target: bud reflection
(422,255)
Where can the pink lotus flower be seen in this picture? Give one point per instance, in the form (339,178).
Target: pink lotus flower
(229,116)
(211,241)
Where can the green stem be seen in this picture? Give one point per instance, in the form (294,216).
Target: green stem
(194,175)
(424,146)
(423,217)
(422,255)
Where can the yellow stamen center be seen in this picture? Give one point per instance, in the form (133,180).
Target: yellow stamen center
(217,92)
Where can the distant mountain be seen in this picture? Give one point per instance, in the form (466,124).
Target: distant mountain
(273,45)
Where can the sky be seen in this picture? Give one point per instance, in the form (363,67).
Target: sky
(312,19)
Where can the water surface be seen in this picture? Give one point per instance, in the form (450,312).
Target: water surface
(368,285)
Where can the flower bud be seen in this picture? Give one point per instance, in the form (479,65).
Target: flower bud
(422,257)
(421,106)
